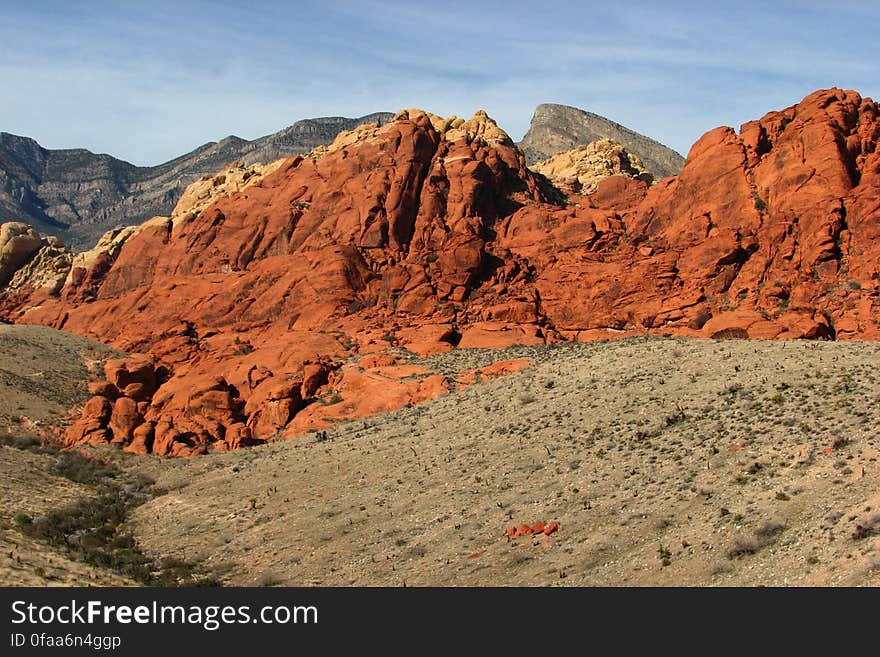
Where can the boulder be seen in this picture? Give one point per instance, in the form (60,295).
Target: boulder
(18,242)
(134,375)
(92,427)
(124,419)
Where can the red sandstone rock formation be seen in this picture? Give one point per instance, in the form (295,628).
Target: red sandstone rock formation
(539,527)
(431,233)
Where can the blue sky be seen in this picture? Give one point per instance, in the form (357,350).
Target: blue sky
(146,81)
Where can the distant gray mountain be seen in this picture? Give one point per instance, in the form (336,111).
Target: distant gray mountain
(77,195)
(558,128)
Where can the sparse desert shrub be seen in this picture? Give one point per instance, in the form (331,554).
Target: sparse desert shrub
(744,545)
(840,443)
(760,204)
(26,442)
(675,418)
(269,579)
(94,530)
(769,529)
(867,528)
(765,535)
(82,469)
(242,348)
(665,555)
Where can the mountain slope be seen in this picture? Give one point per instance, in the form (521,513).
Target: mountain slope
(78,195)
(558,128)
(665,462)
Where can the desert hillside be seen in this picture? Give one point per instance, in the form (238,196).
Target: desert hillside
(664,462)
(43,373)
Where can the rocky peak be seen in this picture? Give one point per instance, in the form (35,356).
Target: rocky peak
(480,127)
(558,128)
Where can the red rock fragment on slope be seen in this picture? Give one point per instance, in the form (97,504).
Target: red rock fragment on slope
(499,368)
(539,527)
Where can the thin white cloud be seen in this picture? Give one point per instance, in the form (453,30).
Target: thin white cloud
(151,81)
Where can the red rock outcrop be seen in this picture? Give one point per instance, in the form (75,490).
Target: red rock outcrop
(769,233)
(432,234)
(539,527)
(499,368)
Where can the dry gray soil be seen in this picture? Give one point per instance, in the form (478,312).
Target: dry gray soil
(42,374)
(664,461)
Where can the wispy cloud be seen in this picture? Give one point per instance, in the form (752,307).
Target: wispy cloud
(151,80)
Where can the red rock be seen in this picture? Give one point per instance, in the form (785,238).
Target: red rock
(124,419)
(538,527)
(103,389)
(552,528)
(360,393)
(272,405)
(314,376)
(142,439)
(429,388)
(430,239)
(499,368)
(135,375)
(238,435)
(498,335)
(92,426)
(374,361)
(429,339)
(191,413)
(138,391)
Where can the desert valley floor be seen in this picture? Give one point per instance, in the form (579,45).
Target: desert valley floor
(665,461)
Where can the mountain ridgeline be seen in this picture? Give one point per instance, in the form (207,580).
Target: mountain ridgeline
(558,128)
(77,195)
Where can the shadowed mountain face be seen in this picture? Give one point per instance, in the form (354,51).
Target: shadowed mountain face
(77,195)
(558,128)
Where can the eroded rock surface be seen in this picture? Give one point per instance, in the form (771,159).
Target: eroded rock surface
(261,301)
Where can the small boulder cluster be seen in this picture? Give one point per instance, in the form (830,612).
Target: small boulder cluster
(528,530)
(142,407)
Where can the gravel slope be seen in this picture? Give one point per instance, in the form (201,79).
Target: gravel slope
(665,462)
